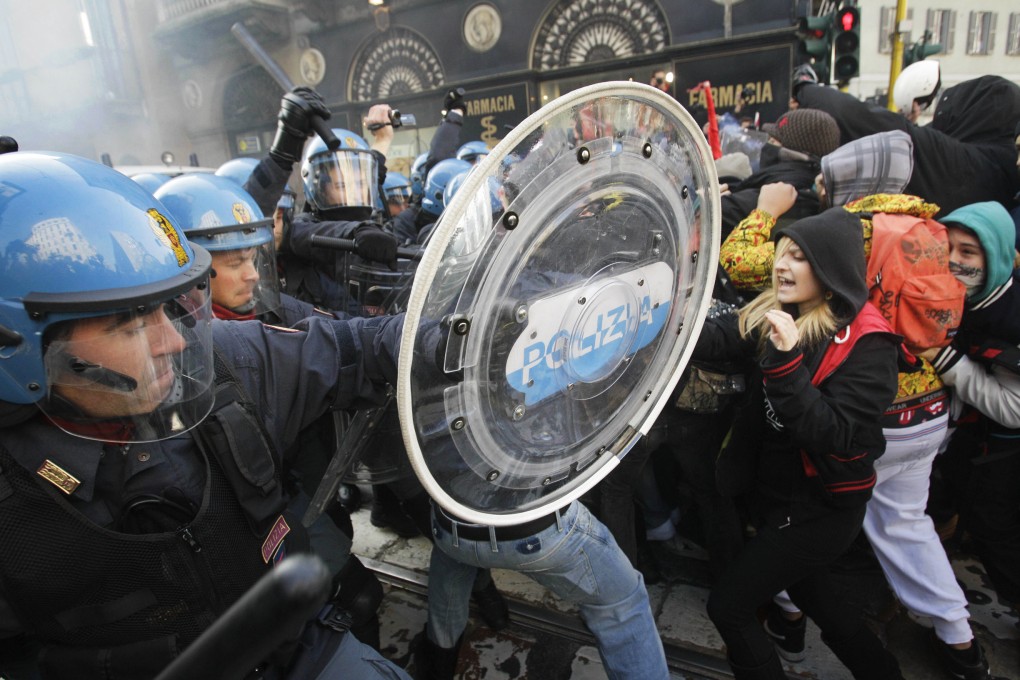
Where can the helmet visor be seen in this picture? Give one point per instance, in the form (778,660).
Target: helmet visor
(132,377)
(398,195)
(344,179)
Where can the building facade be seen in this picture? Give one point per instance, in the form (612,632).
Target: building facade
(189,86)
(131,79)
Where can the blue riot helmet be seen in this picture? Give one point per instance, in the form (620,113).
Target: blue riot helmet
(105,317)
(217,214)
(238,169)
(347,177)
(472,152)
(454,185)
(151,180)
(418,177)
(439,176)
(397,188)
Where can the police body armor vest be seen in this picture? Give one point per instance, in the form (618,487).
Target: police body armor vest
(107,604)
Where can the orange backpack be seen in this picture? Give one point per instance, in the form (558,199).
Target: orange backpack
(909,280)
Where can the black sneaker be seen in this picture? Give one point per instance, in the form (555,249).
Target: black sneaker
(965,664)
(788,636)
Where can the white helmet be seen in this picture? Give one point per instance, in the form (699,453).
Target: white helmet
(921,80)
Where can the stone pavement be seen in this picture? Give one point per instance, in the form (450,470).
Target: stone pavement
(546,640)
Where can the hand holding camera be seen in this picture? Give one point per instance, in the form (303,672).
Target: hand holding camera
(394,119)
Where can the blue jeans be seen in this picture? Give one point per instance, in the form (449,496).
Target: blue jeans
(575,558)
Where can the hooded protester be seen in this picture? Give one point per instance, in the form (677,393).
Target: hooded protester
(866,176)
(804,445)
(965,155)
(981,466)
(797,141)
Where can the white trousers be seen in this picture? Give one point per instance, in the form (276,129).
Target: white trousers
(903,536)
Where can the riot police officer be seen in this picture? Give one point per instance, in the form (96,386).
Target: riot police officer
(413,225)
(397,193)
(342,189)
(217,214)
(473,152)
(151,180)
(143,441)
(238,169)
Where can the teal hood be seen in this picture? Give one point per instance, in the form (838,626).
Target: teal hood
(994,227)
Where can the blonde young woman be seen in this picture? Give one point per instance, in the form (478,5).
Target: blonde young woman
(803,447)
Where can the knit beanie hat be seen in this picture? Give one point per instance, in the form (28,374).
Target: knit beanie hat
(876,164)
(833,242)
(806,130)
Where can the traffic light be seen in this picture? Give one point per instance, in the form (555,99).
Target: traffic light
(846,44)
(815,46)
(920,49)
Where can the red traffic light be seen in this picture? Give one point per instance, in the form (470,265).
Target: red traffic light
(847,19)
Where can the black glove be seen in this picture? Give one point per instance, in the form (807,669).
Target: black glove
(295,124)
(372,243)
(454,99)
(437,335)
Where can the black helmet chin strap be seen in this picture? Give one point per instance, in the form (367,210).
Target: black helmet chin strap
(100,375)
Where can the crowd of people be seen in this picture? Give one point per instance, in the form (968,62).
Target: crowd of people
(182,357)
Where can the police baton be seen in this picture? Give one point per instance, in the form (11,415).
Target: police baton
(351,443)
(282,79)
(348,245)
(271,614)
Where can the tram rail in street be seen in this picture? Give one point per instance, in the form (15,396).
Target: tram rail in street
(693,665)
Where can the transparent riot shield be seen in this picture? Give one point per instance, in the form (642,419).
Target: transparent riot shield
(557,302)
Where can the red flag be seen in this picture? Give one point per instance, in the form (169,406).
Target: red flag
(713,123)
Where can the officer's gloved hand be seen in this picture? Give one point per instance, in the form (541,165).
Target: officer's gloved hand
(294,124)
(454,99)
(436,334)
(372,243)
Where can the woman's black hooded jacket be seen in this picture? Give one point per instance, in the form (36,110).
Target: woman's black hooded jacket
(788,424)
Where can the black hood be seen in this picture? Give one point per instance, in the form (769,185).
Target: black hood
(981,111)
(833,243)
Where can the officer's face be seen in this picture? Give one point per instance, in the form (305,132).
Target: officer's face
(334,189)
(278,228)
(236,277)
(118,365)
